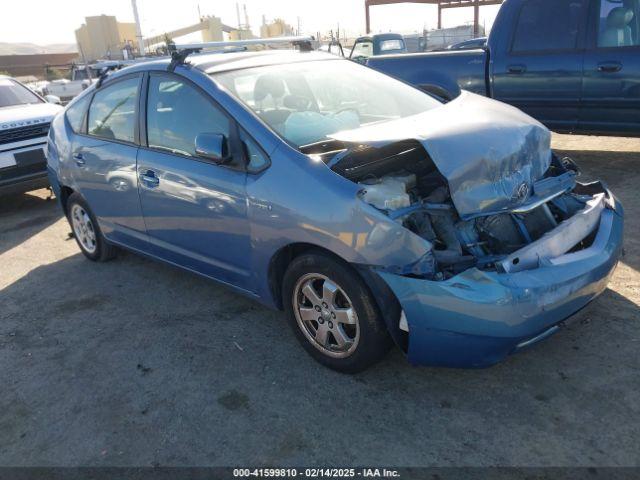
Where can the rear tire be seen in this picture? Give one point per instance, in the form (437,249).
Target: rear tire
(86,230)
(333,313)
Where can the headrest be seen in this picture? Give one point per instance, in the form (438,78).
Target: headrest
(619,17)
(268,84)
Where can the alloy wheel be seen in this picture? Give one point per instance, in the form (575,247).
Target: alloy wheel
(326,315)
(83,228)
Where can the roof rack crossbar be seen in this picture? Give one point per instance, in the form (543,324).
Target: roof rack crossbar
(179,53)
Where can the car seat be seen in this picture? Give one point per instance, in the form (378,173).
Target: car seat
(271,87)
(617,32)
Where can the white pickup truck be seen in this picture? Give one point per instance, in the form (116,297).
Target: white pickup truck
(24,125)
(81,78)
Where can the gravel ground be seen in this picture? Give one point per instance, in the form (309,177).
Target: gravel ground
(137,363)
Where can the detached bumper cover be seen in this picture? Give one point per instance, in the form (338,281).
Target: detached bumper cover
(478,318)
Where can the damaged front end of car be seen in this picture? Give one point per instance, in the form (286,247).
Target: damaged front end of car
(517,244)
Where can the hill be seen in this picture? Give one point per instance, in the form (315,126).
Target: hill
(31,48)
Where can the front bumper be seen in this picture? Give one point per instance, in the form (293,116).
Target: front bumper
(24,183)
(477,318)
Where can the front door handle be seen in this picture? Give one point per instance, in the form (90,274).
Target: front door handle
(79,159)
(516,69)
(609,67)
(149,178)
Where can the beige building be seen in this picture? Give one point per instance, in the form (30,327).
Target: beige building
(244,34)
(277,28)
(104,37)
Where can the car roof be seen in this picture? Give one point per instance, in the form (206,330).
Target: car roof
(220,62)
(381,36)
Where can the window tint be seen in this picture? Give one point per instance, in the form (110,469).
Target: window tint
(362,49)
(619,23)
(177,113)
(112,114)
(549,25)
(75,113)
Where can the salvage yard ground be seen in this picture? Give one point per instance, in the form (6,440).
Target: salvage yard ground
(137,363)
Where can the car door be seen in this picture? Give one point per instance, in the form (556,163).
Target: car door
(194,209)
(540,70)
(611,84)
(104,161)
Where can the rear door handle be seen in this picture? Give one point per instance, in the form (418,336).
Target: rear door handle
(609,67)
(149,178)
(516,69)
(79,159)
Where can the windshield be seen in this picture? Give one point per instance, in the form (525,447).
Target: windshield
(12,93)
(308,101)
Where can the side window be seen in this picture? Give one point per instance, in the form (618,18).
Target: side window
(619,23)
(177,112)
(112,114)
(362,49)
(545,25)
(75,114)
(256,158)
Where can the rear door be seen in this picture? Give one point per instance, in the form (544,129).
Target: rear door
(611,88)
(104,160)
(541,72)
(195,211)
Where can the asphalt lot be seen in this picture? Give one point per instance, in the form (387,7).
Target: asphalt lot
(137,363)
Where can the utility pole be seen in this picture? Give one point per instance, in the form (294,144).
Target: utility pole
(134,5)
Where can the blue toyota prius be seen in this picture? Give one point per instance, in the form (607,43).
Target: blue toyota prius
(370,212)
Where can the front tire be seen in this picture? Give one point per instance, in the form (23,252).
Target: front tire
(333,313)
(86,230)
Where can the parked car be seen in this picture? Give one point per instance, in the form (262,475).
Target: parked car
(378,44)
(24,125)
(473,44)
(366,209)
(572,64)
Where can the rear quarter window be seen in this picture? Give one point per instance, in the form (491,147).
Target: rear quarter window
(76,112)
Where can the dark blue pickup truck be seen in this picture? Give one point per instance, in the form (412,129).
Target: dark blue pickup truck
(572,64)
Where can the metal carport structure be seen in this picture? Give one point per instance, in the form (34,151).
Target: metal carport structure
(442,4)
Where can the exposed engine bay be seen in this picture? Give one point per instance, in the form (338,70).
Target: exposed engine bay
(402,181)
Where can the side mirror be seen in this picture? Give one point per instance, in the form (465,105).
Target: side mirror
(212,146)
(53,99)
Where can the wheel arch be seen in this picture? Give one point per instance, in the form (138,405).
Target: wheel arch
(439,91)
(384,298)
(281,260)
(65,193)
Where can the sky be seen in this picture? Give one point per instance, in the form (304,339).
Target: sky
(46,21)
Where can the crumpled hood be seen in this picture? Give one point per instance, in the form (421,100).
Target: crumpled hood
(489,152)
(25,115)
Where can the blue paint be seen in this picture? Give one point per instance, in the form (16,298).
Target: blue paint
(586,89)
(477,318)
(229,224)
